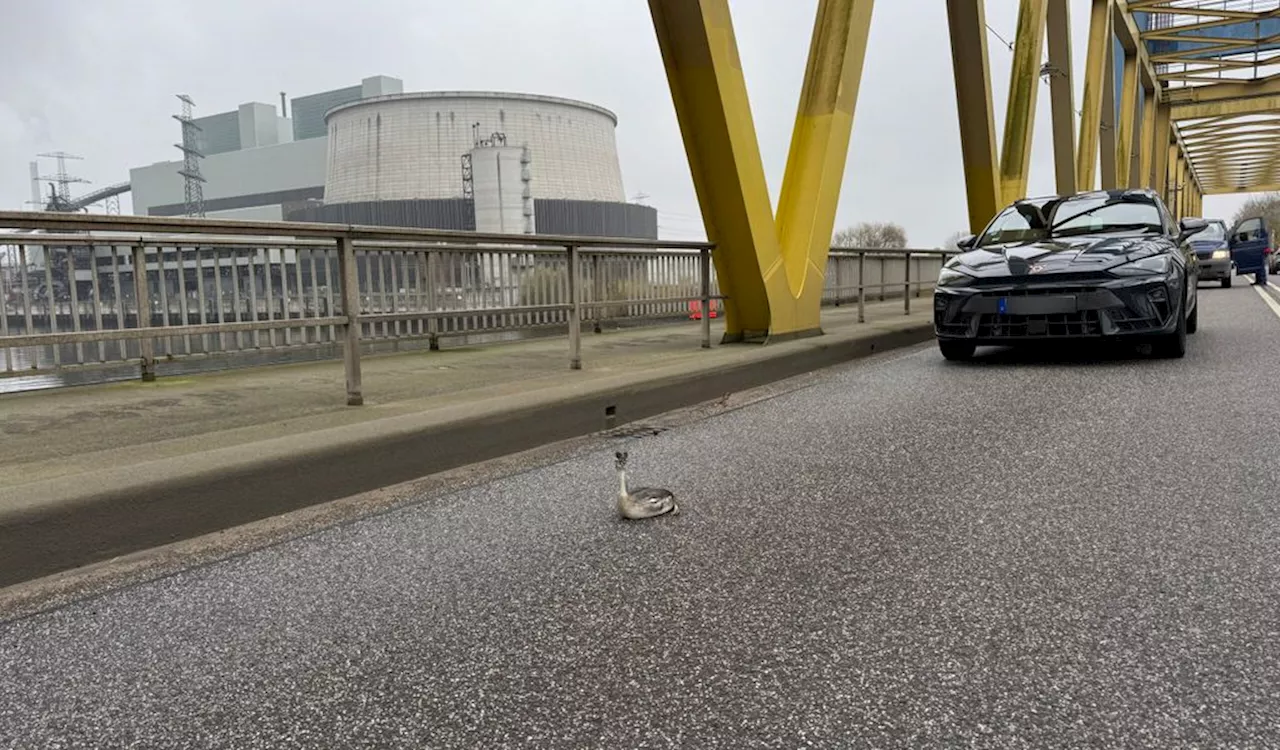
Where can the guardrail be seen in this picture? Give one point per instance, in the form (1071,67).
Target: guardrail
(71,298)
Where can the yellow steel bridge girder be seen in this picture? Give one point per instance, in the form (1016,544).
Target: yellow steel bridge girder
(1058,31)
(1020,115)
(1160,152)
(1270,187)
(1125,118)
(1096,74)
(771,268)
(966,22)
(1232,107)
(1147,142)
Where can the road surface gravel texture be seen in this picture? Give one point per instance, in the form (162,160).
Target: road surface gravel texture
(1027,551)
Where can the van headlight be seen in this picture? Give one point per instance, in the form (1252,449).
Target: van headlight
(1222,254)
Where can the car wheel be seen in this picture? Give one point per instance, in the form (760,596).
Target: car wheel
(1193,322)
(956,351)
(1173,345)
(1226,283)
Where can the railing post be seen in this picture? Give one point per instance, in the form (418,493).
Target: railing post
(142,296)
(433,323)
(704,262)
(906,285)
(350,280)
(835,259)
(862,287)
(597,293)
(575,310)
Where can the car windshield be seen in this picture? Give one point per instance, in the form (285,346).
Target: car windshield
(1028,221)
(1215,232)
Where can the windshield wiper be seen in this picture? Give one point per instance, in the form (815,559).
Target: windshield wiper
(1109,228)
(1124,198)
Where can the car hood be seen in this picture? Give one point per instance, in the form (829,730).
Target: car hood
(1207,244)
(1077,254)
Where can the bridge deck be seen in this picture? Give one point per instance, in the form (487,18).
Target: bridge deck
(92,473)
(904,552)
(54,433)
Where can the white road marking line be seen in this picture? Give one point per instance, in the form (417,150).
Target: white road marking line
(1269,299)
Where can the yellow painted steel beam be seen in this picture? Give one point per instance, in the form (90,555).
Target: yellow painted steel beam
(1224,19)
(1209,64)
(1234,46)
(1170,192)
(770,268)
(1224,15)
(1160,149)
(1107,135)
(1125,119)
(1230,138)
(819,150)
(1020,115)
(1145,173)
(1194,77)
(1130,37)
(1182,187)
(1182,148)
(966,21)
(1255,105)
(1224,91)
(1188,196)
(1252,150)
(1095,72)
(1137,177)
(1058,31)
(1268,187)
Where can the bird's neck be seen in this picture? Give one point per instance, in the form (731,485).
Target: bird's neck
(622,481)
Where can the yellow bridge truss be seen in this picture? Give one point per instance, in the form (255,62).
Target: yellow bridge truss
(1197,112)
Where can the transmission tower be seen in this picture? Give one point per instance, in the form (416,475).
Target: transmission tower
(191,156)
(60,182)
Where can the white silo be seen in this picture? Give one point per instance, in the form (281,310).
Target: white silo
(501,198)
(499,185)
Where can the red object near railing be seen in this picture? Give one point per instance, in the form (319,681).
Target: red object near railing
(695,310)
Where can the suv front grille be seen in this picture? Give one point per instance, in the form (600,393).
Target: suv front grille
(1144,309)
(1081,323)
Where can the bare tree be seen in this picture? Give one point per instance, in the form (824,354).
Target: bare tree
(953,238)
(871,235)
(1266,206)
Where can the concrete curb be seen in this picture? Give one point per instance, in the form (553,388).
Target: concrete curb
(66,525)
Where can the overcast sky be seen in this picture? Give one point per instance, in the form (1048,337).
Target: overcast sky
(98,79)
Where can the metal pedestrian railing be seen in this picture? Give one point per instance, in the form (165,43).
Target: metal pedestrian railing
(95,291)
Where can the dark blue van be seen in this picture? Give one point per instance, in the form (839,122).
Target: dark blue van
(1213,253)
(1251,248)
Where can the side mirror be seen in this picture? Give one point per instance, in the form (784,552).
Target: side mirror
(1190,226)
(966,243)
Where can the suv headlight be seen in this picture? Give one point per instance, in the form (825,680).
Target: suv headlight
(1222,254)
(1153,266)
(952,277)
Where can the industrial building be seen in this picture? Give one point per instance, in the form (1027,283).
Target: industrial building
(466,160)
(372,154)
(256,161)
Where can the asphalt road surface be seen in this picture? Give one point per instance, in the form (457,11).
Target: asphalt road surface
(1058,549)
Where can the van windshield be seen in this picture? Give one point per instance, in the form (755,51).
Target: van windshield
(1215,232)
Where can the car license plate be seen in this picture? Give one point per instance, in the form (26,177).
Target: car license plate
(1002,305)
